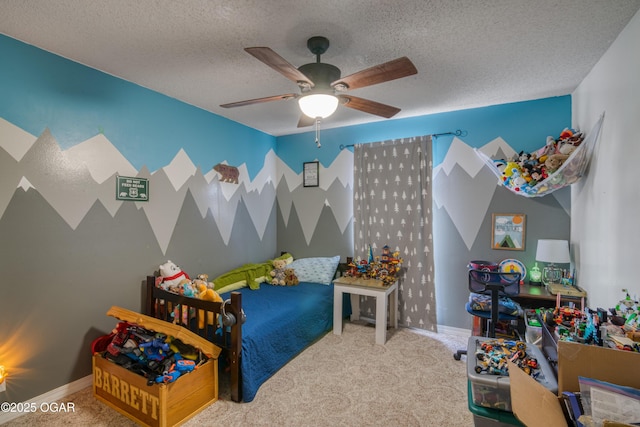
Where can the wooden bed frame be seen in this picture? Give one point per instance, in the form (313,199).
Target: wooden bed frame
(232,339)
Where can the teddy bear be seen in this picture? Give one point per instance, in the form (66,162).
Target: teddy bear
(290,278)
(278,272)
(207,294)
(203,279)
(554,162)
(171,276)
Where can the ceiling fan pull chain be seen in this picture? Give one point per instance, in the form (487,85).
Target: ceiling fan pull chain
(318,132)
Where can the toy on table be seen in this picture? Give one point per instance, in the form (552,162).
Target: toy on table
(384,267)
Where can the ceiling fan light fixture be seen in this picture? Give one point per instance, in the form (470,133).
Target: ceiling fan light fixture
(316,105)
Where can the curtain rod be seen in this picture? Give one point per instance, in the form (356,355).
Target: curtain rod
(435,135)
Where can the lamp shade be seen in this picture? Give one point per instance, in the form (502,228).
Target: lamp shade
(553,251)
(318,105)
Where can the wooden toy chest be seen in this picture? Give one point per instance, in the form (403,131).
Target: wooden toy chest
(159,404)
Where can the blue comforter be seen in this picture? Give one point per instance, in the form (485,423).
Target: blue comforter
(281,322)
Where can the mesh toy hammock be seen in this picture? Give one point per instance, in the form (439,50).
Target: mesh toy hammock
(570,172)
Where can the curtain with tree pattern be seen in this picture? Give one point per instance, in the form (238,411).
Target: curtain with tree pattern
(392,206)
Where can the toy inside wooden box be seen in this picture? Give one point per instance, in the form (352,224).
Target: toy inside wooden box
(152,403)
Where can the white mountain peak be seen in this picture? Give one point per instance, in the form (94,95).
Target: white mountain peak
(180,169)
(25,184)
(342,168)
(459,154)
(492,148)
(266,175)
(14,140)
(293,179)
(101,158)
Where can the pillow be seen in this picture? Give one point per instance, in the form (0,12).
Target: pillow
(316,270)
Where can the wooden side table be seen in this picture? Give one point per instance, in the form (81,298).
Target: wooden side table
(367,287)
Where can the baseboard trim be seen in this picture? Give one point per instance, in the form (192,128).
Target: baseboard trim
(450,330)
(51,396)
(442,329)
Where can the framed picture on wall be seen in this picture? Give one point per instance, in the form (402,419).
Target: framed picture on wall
(310,174)
(508,231)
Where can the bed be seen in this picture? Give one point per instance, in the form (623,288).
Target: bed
(281,321)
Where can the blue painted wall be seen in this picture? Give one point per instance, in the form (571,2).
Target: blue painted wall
(525,124)
(40,90)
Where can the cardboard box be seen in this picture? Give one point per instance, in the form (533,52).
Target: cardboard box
(493,391)
(536,406)
(159,404)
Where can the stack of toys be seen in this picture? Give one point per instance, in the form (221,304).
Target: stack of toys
(617,328)
(384,267)
(523,172)
(157,357)
(492,356)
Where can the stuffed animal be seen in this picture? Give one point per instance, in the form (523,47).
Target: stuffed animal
(207,294)
(510,169)
(554,162)
(290,278)
(188,288)
(171,276)
(203,279)
(278,272)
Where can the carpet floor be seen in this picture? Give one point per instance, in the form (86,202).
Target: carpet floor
(344,380)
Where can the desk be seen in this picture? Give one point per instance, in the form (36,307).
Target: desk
(371,288)
(539,296)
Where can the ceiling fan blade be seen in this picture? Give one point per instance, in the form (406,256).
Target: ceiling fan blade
(398,68)
(260,100)
(278,63)
(305,121)
(368,106)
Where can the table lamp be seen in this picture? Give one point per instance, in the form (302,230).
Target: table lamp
(552,252)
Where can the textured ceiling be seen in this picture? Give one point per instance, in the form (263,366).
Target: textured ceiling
(468,53)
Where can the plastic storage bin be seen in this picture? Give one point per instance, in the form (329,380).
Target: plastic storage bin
(533,328)
(486,417)
(493,391)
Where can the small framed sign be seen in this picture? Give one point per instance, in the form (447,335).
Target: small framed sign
(508,231)
(132,189)
(310,174)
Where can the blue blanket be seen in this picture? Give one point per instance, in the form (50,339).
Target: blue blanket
(281,322)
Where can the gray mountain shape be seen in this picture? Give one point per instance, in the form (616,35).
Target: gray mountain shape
(470,195)
(11,175)
(69,188)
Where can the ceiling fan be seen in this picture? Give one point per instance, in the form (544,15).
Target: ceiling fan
(322,88)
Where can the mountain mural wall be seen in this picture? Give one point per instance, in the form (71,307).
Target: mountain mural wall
(71,181)
(83,251)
